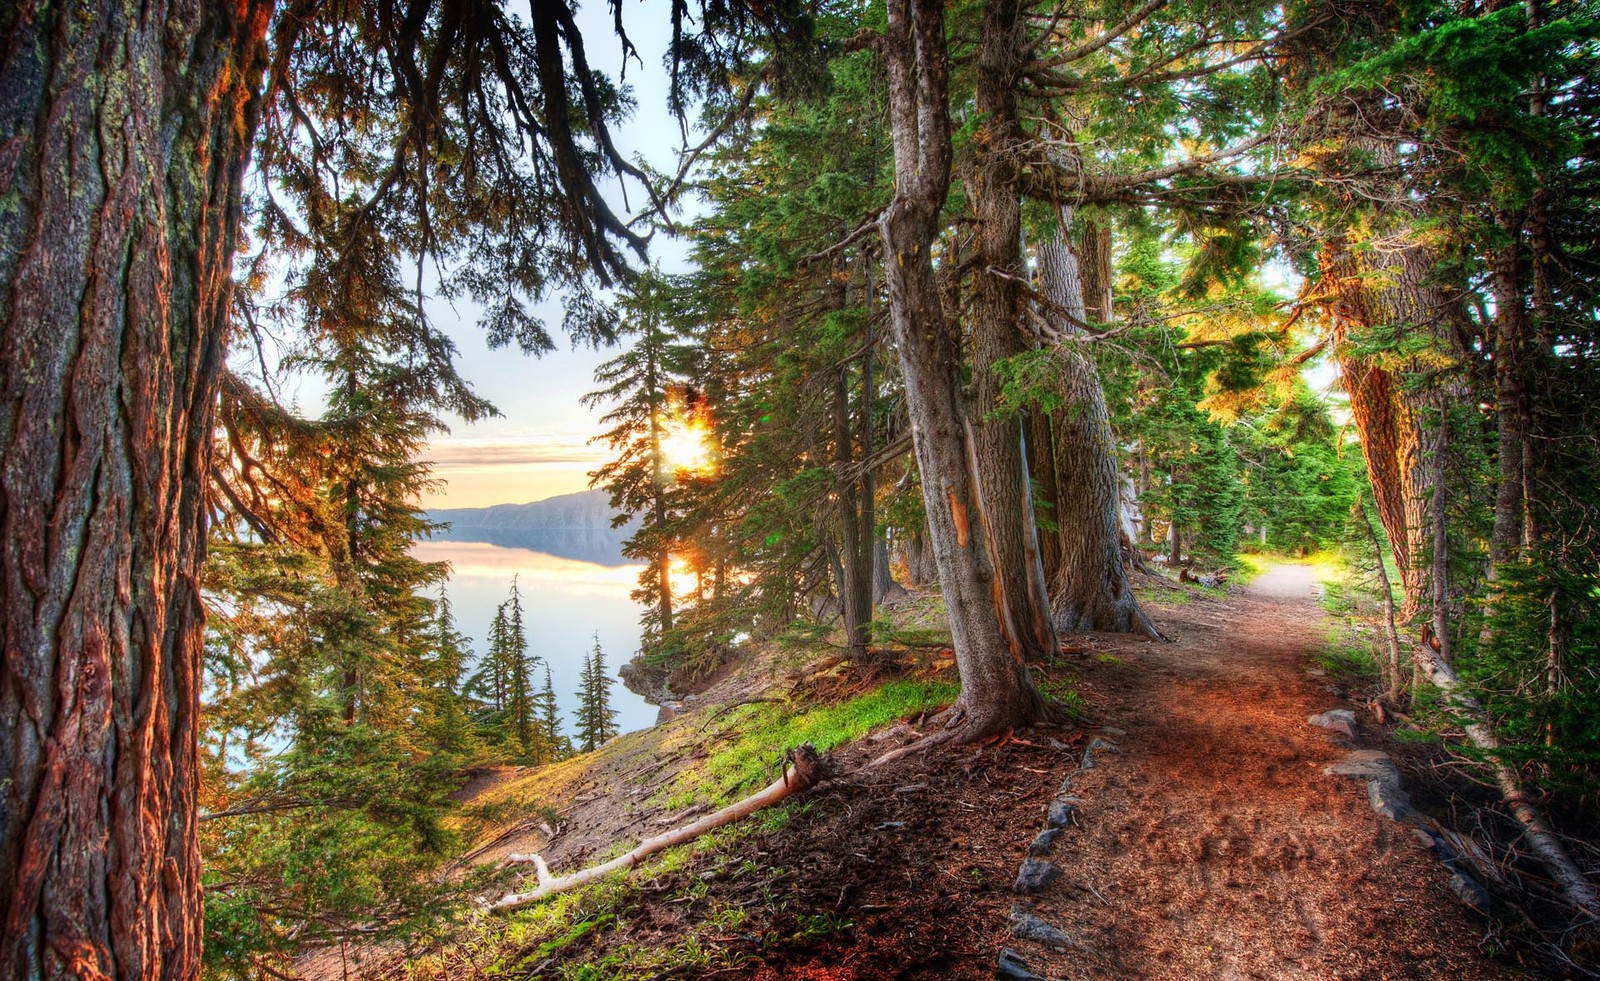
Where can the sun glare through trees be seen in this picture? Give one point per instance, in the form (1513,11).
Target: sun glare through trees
(949,359)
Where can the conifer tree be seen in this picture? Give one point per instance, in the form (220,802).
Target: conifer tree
(637,389)
(346,132)
(596,717)
(495,677)
(550,719)
(520,704)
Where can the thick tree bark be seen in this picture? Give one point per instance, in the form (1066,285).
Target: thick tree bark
(998,309)
(125,130)
(1382,287)
(996,690)
(1091,589)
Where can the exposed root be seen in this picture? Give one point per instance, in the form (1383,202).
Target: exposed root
(803,770)
(921,745)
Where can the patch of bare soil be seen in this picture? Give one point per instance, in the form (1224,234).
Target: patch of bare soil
(1210,844)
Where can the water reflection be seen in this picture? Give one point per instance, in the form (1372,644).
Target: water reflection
(566,601)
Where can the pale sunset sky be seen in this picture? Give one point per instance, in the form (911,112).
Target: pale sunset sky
(540,446)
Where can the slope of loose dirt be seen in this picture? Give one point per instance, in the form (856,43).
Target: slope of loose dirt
(1209,845)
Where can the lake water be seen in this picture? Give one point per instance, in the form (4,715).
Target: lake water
(570,592)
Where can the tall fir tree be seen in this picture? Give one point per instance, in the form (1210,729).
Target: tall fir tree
(550,719)
(596,718)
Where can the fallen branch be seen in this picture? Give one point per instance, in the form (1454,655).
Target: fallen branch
(803,769)
(1574,885)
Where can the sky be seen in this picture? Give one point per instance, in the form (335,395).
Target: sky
(539,447)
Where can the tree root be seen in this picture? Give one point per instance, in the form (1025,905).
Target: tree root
(803,769)
(916,746)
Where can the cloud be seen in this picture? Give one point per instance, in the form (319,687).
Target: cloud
(450,454)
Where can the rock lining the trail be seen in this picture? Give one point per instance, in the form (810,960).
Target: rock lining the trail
(1387,795)
(1012,967)
(1063,813)
(1044,842)
(1342,721)
(1028,925)
(1035,874)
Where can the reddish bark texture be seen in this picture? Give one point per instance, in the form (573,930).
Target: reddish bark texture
(1387,286)
(124,130)
(998,312)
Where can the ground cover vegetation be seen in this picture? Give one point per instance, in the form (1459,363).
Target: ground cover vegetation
(1010,298)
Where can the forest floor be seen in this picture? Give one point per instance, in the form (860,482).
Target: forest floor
(1207,843)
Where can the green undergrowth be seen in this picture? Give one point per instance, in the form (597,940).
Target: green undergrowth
(753,738)
(585,934)
(582,935)
(1352,652)
(1247,566)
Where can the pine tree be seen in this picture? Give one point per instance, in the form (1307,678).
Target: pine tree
(496,673)
(638,386)
(550,719)
(385,128)
(596,717)
(520,707)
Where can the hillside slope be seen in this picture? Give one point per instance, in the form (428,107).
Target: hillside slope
(1205,839)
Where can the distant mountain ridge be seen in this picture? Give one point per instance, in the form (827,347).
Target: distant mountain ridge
(574,526)
(588,510)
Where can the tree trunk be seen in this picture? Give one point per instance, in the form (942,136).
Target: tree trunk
(996,690)
(126,130)
(1091,589)
(1039,444)
(1508,536)
(1546,846)
(1506,539)
(1379,288)
(854,579)
(920,567)
(663,554)
(1392,675)
(883,584)
(1093,250)
(1021,599)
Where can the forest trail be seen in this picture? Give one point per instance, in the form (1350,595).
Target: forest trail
(1208,843)
(1213,845)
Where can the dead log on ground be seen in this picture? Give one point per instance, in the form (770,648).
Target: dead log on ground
(1547,847)
(803,769)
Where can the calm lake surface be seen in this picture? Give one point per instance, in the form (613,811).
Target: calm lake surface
(569,593)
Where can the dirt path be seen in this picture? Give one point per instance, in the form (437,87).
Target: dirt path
(1213,845)
(1209,844)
